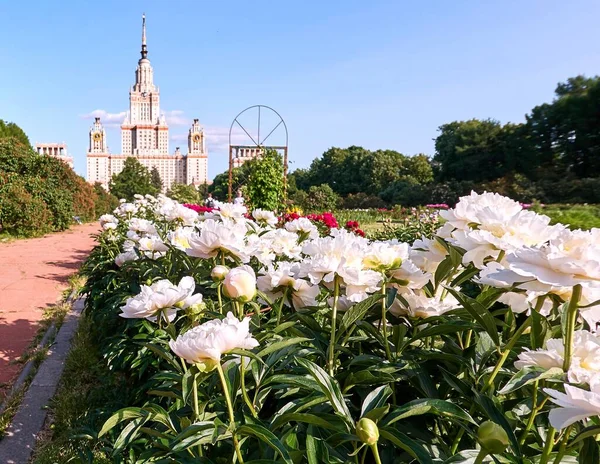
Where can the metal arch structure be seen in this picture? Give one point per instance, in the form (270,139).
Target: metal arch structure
(257,144)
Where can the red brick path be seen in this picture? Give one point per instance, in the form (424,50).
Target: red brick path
(33,274)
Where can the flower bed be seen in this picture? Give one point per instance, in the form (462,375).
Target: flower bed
(268,340)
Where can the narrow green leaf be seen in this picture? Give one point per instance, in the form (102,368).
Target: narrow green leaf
(266,436)
(375,399)
(590,431)
(406,443)
(120,416)
(495,415)
(329,387)
(326,421)
(589,454)
(280,345)
(479,312)
(529,375)
(357,312)
(428,406)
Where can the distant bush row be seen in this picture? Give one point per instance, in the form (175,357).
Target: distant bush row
(40,194)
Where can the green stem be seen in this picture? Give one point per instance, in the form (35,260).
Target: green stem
(196,408)
(220,298)
(534,411)
(236,443)
(563,445)
(376,453)
(280,308)
(244,392)
(239,310)
(548,445)
(388,353)
(336,297)
(570,329)
(490,381)
(507,349)
(480,457)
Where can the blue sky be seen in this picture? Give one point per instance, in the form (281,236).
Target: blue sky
(380,74)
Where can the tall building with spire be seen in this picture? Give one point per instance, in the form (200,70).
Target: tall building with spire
(145,135)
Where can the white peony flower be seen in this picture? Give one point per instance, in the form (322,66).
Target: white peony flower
(173,211)
(108,219)
(240,283)
(420,305)
(228,213)
(385,256)
(206,343)
(109,226)
(152,246)
(525,302)
(585,359)
(142,226)
(122,258)
(275,280)
(427,254)
(161,296)
(575,404)
(264,217)
(304,228)
(180,237)
(215,237)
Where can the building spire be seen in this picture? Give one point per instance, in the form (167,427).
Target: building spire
(144,49)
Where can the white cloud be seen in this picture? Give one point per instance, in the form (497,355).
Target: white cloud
(108,119)
(177,118)
(217,138)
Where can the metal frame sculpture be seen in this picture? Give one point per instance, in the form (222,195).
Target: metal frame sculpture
(257,144)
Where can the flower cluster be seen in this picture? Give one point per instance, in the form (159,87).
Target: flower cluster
(498,301)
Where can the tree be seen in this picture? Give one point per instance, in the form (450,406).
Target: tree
(265,181)
(203,190)
(10,129)
(133,179)
(155,179)
(183,193)
(321,198)
(106,202)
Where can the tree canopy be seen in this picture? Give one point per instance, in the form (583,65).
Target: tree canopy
(10,129)
(133,179)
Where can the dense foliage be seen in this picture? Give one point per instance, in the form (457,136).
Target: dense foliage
(552,157)
(264,186)
(260,340)
(133,179)
(40,194)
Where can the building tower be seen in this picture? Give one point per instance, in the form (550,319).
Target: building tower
(197,160)
(145,130)
(145,136)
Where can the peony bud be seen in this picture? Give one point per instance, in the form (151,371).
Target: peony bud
(219,272)
(240,284)
(367,431)
(492,437)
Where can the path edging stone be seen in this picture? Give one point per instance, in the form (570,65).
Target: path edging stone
(18,444)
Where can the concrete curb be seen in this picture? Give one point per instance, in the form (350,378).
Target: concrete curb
(18,444)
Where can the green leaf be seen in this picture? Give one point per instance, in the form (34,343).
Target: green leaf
(443,270)
(120,416)
(267,437)
(375,399)
(329,387)
(529,375)
(428,406)
(128,434)
(406,443)
(195,434)
(590,431)
(280,345)
(589,453)
(187,383)
(321,420)
(357,312)
(479,312)
(248,354)
(443,329)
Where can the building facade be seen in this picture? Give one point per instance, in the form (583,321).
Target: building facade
(56,150)
(145,135)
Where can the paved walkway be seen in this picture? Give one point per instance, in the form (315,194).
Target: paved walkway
(33,273)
